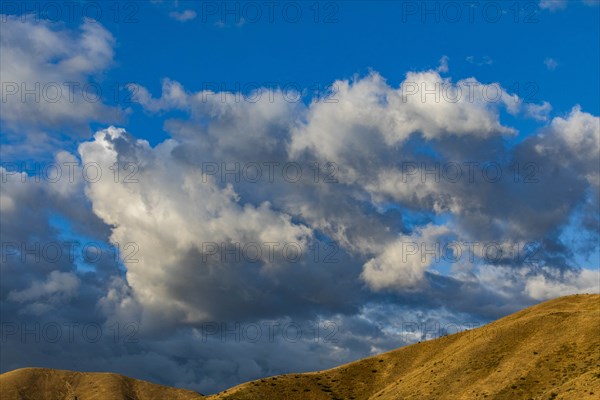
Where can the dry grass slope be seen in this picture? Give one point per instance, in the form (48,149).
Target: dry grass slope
(52,384)
(549,351)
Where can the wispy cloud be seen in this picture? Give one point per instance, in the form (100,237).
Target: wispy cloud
(443,67)
(550,63)
(480,61)
(183,16)
(553,5)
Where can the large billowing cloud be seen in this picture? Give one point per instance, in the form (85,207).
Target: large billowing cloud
(181,220)
(369,112)
(382,145)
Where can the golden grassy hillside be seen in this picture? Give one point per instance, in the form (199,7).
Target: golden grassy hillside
(549,351)
(53,384)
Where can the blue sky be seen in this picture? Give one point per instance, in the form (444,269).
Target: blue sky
(173,217)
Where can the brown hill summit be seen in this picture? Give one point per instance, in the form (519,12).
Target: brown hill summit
(548,351)
(54,384)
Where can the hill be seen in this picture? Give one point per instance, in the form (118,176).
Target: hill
(53,384)
(548,351)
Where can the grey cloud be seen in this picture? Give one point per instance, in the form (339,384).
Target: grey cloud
(51,80)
